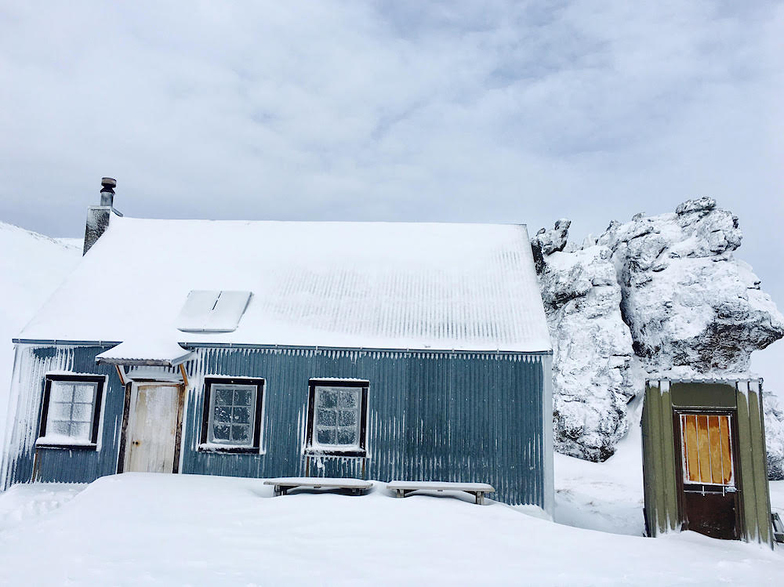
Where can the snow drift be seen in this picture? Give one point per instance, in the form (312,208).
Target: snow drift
(31,267)
(657,295)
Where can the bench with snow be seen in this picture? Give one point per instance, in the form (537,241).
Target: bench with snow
(478,490)
(282,485)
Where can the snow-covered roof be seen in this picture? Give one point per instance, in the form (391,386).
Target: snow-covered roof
(329,284)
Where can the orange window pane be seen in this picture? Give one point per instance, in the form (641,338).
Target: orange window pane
(689,426)
(726,450)
(714,432)
(704,448)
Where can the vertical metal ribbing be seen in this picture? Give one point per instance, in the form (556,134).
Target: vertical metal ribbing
(432,416)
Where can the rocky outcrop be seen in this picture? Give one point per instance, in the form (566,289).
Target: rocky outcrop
(659,295)
(592,351)
(691,307)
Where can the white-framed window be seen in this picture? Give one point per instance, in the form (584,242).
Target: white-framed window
(71,411)
(232,414)
(337,417)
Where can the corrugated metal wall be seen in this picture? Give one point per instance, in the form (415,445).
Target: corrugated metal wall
(473,417)
(62,465)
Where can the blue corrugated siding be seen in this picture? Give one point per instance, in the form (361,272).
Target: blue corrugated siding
(432,416)
(62,465)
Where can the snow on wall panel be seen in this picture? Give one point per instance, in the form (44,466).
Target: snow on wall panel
(432,416)
(372,285)
(472,417)
(79,466)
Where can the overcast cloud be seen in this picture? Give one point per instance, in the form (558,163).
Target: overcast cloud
(460,111)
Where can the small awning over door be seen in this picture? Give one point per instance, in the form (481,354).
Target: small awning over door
(145,353)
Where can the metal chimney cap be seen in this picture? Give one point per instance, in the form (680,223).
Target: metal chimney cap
(108,182)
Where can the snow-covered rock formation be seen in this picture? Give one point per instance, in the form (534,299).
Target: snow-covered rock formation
(657,295)
(691,307)
(592,346)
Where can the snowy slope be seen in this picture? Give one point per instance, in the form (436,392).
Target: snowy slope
(147,529)
(31,267)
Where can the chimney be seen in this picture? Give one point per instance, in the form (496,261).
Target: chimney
(98,216)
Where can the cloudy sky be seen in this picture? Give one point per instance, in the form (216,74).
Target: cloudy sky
(488,111)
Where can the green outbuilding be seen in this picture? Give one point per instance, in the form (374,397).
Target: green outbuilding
(704,459)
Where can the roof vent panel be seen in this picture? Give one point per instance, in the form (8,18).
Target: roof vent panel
(213,311)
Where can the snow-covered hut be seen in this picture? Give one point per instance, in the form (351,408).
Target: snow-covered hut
(378,350)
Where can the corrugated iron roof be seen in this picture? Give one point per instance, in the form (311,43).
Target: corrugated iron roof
(340,284)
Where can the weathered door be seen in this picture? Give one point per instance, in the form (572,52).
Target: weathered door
(710,498)
(151,441)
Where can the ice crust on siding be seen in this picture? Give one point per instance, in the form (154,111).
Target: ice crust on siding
(340,284)
(659,295)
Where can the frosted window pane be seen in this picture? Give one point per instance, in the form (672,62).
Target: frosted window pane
(59,411)
(243,397)
(327,398)
(82,413)
(349,399)
(224,397)
(80,431)
(326,417)
(61,391)
(84,393)
(222,414)
(240,434)
(241,415)
(347,436)
(221,432)
(347,418)
(58,427)
(325,436)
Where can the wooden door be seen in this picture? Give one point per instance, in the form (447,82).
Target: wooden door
(708,473)
(151,442)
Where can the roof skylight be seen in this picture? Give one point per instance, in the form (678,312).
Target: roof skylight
(212,311)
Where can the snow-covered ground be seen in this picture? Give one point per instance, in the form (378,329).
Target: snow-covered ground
(603,496)
(31,267)
(147,529)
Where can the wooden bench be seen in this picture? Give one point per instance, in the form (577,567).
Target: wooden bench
(478,490)
(778,527)
(282,485)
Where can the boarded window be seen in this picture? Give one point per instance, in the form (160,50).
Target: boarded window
(707,449)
